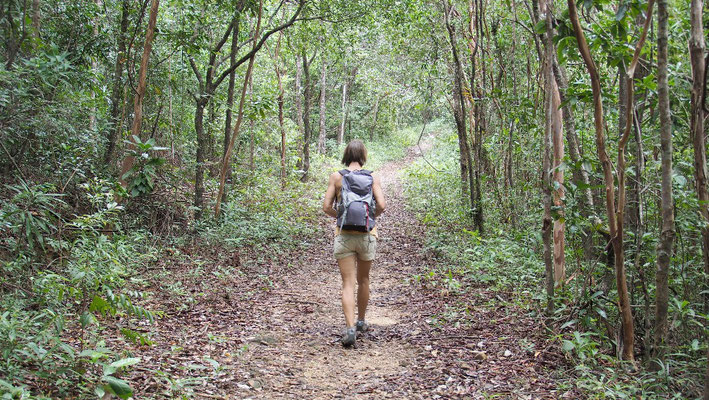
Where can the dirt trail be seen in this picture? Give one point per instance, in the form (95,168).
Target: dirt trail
(283,342)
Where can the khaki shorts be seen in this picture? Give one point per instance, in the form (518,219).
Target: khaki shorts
(363,245)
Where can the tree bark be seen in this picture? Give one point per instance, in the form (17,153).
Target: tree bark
(140,90)
(36,19)
(230,88)
(697,116)
(547,221)
(466,173)
(375,117)
(557,141)
(667,233)
(279,72)
(299,108)
(240,114)
(478,123)
(116,99)
(94,71)
(201,150)
(341,132)
(615,215)
(323,93)
(306,117)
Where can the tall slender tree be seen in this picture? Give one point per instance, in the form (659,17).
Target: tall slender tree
(140,90)
(698,114)
(323,104)
(116,99)
(614,210)
(667,232)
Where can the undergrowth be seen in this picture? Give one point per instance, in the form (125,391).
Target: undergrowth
(507,258)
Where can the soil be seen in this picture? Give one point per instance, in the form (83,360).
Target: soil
(273,331)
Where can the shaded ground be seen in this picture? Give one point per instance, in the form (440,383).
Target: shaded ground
(272,330)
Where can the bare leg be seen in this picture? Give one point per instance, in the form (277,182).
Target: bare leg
(348,271)
(362,287)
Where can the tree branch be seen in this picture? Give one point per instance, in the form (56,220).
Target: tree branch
(196,72)
(257,47)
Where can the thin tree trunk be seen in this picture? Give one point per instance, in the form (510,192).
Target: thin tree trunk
(252,123)
(140,90)
(459,111)
(547,221)
(36,19)
(323,92)
(201,147)
(476,165)
(239,115)
(557,141)
(549,226)
(94,71)
(375,117)
(341,132)
(615,215)
(306,117)
(280,101)
(169,109)
(230,89)
(580,174)
(697,116)
(299,108)
(667,233)
(212,157)
(117,100)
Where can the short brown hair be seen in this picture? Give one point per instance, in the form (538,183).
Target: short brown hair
(355,152)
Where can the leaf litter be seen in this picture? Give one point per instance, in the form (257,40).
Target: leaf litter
(257,323)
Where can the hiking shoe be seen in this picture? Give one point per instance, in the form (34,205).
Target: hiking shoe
(348,338)
(362,326)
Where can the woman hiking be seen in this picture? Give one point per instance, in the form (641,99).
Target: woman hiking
(354,196)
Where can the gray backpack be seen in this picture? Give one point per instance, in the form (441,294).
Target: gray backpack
(355,211)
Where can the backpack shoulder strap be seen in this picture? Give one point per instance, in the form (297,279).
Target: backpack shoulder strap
(344,172)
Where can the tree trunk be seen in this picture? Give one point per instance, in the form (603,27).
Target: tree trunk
(615,215)
(549,225)
(557,141)
(280,102)
(375,117)
(341,132)
(252,123)
(116,99)
(299,108)
(306,118)
(697,116)
(580,173)
(478,123)
(240,114)
(667,233)
(201,150)
(459,112)
(94,71)
(140,90)
(547,221)
(230,89)
(36,19)
(323,92)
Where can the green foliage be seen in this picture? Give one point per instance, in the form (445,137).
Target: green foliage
(141,177)
(31,215)
(50,309)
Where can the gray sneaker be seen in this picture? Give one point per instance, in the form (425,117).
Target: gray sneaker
(348,337)
(362,326)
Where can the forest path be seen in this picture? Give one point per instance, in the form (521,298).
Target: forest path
(278,337)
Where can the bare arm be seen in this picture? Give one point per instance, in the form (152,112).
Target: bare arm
(329,201)
(378,196)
